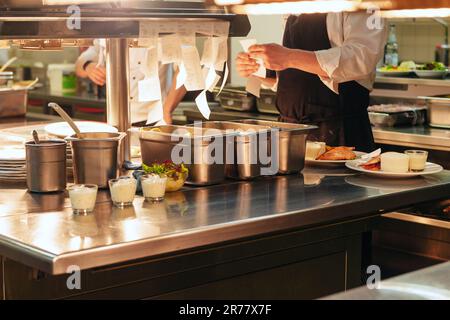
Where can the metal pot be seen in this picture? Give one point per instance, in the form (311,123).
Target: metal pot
(46,165)
(95,157)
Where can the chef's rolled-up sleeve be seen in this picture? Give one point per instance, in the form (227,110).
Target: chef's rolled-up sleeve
(91,54)
(357,55)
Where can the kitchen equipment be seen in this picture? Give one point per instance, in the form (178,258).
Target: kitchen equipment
(66,117)
(266,103)
(243,152)
(236,98)
(95,157)
(389,115)
(13,103)
(438,111)
(291,143)
(62,78)
(6,79)
(7,64)
(46,165)
(157,144)
(35,137)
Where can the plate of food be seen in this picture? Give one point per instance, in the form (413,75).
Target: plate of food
(404,69)
(319,154)
(396,165)
(431,70)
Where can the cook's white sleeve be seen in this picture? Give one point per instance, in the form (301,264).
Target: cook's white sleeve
(91,54)
(356,58)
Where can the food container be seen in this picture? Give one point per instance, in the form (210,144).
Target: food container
(390,115)
(13,103)
(244,149)
(6,79)
(439,111)
(190,146)
(95,157)
(266,103)
(291,143)
(236,98)
(46,165)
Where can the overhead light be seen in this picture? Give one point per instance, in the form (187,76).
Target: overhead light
(296,7)
(417,13)
(389,8)
(69,2)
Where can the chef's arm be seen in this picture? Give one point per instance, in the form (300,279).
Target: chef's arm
(276,57)
(172,100)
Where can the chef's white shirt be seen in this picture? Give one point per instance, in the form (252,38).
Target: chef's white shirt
(356,49)
(139,110)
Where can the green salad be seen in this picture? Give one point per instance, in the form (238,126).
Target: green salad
(432,66)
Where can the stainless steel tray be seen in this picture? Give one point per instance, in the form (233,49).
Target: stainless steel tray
(158,144)
(291,143)
(243,161)
(13,103)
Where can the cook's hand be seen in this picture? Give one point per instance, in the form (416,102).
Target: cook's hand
(245,65)
(274,56)
(96,73)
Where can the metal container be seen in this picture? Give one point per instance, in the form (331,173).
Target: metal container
(13,103)
(244,150)
(6,79)
(266,103)
(291,143)
(46,165)
(95,157)
(236,98)
(439,111)
(192,146)
(390,115)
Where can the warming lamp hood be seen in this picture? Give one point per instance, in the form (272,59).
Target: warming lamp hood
(388,8)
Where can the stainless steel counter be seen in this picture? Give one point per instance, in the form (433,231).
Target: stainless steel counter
(417,137)
(427,284)
(414,81)
(40,230)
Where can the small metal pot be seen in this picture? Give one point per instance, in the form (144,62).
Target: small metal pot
(46,165)
(95,157)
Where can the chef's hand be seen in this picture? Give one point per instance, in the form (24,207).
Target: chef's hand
(245,65)
(274,56)
(96,73)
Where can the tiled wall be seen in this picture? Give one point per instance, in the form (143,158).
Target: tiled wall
(417,40)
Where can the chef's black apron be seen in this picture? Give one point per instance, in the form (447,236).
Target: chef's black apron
(303,98)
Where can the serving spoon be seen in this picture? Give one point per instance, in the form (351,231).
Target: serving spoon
(66,117)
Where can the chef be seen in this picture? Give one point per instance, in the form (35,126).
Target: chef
(324,73)
(90,64)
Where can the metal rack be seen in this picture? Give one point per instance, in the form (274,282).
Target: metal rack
(118,23)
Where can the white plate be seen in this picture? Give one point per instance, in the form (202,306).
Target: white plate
(431,74)
(430,168)
(389,184)
(331,163)
(394,73)
(62,129)
(12,154)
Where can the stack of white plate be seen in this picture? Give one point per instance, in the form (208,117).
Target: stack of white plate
(13,165)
